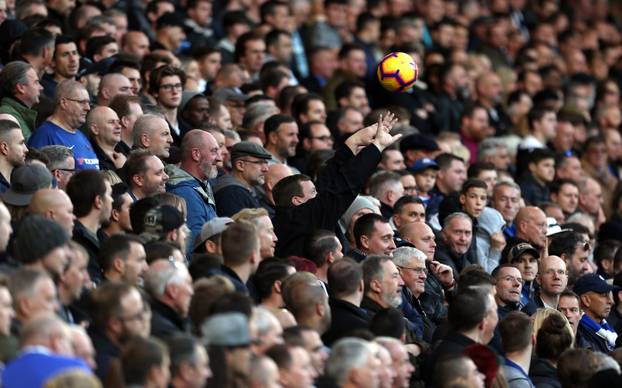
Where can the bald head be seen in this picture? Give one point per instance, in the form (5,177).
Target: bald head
(531,226)
(529,213)
(421,236)
(55,205)
(112,85)
(275,173)
(151,131)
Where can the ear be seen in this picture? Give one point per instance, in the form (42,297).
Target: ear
(118,265)
(364,241)
(342,101)
(4,148)
(114,215)
(585,300)
(98,202)
(296,200)
(196,154)
(277,287)
(462,199)
(94,130)
(138,180)
(273,137)
(305,143)
(125,121)
(145,141)
(320,309)
(19,88)
(376,286)
(538,279)
(532,167)
(210,247)
(330,259)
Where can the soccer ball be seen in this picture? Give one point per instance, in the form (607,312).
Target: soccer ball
(397,72)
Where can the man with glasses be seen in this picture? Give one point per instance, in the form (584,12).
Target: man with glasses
(552,279)
(509,283)
(61,164)
(234,192)
(166,84)
(72,104)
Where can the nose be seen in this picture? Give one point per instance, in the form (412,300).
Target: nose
(391,244)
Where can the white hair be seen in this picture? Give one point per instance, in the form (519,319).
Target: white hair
(403,255)
(263,321)
(347,354)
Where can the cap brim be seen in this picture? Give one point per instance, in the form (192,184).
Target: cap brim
(16,199)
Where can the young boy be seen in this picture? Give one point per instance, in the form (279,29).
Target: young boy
(473,197)
(534,183)
(425,171)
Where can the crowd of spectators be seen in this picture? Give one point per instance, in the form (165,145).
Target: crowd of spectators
(219,193)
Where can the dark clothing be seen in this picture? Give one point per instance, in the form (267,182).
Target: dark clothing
(436,197)
(414,312)
(91,243)
(452,343)
(511,243)
(105,352)
(166,322)
(543,374)
(456,261)
(338,184)
(105,163)
(357,255)
(371,307)
(4,184)
(49,85)
(502,312)
(386,210)
(615,320)
(123,148)
(590,340)
(231,275)
(232,196)
(533,192)
(264,202)
(346,318)
(449,112)
(433,299)
(611,230)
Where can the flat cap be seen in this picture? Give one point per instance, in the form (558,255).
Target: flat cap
(248,148)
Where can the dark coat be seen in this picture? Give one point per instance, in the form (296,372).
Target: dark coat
(452,343)
(590,340)
(338,185)
(91,244)
(543,374)
(346,318)
(457,262)
(232,196)
(165,322)
(105,352)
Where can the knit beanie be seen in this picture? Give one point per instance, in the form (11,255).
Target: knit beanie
(36,237)
(360,202)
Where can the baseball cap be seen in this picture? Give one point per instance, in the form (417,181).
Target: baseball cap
(424,164)
(418,142)
(25,181)
(161,220)
(228,329)
(520,249)
(553,227)
(211,228)
(229,94)
(593,282)
(248,148)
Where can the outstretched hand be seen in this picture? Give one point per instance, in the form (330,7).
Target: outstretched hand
(377,133)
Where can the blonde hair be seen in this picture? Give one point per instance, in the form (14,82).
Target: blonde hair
(250,215)
(542,314)
(73,379)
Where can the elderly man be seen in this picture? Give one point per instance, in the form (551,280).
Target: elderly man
(353,363)
(199,155)
(105,131)
(383,284)
(456,239)
(531,228)
(20,88)
(400,361)
(596,302)
(55,205)
(411,264)
(72,104)
(61,164)
(152,132)
(170,287)
(506,198)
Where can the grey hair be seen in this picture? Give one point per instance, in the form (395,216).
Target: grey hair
(488,147)
(143,125)
(57,156)
(347,354)
(230,134)
(403,255)
(263,320)
(257,113)
(14,73)
(157,279)
(382,181)
(605,362)
(455,215)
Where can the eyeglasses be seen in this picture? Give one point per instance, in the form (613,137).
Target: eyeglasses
(418,270)
(259,162)
(512,279)
(559,272)
(81,102)
(170,87)
(67,170)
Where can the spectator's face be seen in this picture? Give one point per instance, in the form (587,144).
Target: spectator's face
(223,119)
(169,94)
(316,349)
(358,100)
(411,212)
(267,237)
(201,13)
(490,177)
(552,277)
(509,284)
(426,180)
(122,216)
(6,311)
(254,54)
(210,157)
(209,65)
(337,15)
(564,136)
(283,49)
(477,126)
(108,127)
(474,201)
(56,260)
(224,152)
(44,300)
(62,212)
(66,60)
(367,376)
(543,170)
(135,265)
(567,198)
(133,316)
(351,122)
(31,88)
(414,275)
(324,63)
(316,110)
(490,88)
(597,305)
(120,86)
(197,112)
(569,306)
(76,107)
(596,155)
(135,112)
(385,372)
(571,169)
(578,264)
(557,213)
(253,169)
(392,283)
(614,145)
(154,178)
(108,50)
(548,125)
(393,161)
(15,148)
(63,176)
(137,43)
(380,242)
(106,203)
(527,264)
(183,295)
(160,138)
(76,276)
(535,228)
(454,176)
(287,139)
(423,239)
(409,184)
(592,197)
(321,139)
(475,378)
(355,63)
(457,235)
(300,374)
(501,159)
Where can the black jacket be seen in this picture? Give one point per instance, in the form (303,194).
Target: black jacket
(231,196)
(105,351)
(91,243)
(533,192)
(165,322)
(543,374)
(337,186)
(457,262)
(346,318)
(590,340)
(452,343)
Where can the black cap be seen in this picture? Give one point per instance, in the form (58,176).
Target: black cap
(169,19)
(248,148)
(593,282)
(25,181)
(418,142)
(520,249)
(161,220)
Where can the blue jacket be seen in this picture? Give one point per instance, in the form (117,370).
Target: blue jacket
(32,369)
(198,195)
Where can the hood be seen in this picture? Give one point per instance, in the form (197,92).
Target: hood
(178,176)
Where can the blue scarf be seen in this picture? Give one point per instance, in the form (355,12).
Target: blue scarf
(603,330)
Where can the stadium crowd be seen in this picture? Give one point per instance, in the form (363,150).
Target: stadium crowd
(219,193)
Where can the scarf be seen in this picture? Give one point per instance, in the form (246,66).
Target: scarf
(603,330)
